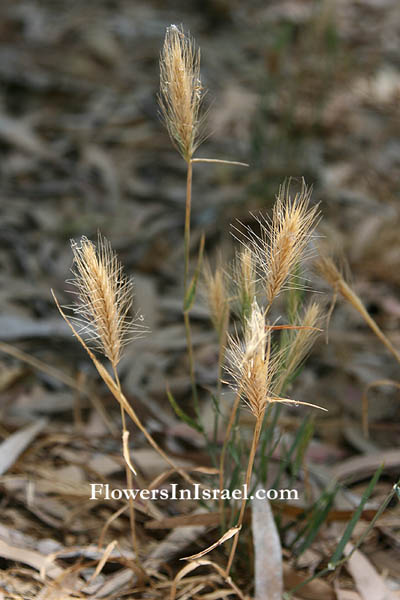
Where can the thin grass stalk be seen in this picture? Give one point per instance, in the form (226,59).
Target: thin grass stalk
(120,397)
(60,376)
(250,464)
(227,436)
(128,474)
(186,316)
(221,356)
(356,302)
(332,275)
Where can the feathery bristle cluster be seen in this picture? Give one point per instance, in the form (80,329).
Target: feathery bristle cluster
(300,343)
(104,298)
(250,362)
(217,298)
(284,239)
(181,92)
(328,270)
(273,259)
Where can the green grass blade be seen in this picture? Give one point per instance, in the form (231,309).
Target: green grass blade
(317,521)
(182,415)
(354,519)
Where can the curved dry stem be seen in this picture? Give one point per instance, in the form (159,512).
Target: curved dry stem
(332,275)
(120,397)
(224,448)
(200,563)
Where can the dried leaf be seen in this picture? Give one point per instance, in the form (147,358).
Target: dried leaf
(125,450)
(16,443)
(362,466)
(368,581)
(227,536)
(34,559)
(314,590)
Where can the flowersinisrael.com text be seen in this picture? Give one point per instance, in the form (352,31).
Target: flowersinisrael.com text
(173,492)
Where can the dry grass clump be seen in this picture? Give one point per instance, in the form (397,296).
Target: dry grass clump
(181,92)
(104,298)
(276,254)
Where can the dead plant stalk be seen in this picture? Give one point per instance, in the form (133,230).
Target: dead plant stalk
(180,99)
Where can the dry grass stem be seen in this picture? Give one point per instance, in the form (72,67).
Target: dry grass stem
(332,275)
(181,92)
(253,450)
(102,310)
(116,391)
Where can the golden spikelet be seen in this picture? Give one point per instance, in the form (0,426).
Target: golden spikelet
(300,344)
(217,298)
(245,279)
(284,239)
(250,362)
(104,298)
(181,92)
(328,270)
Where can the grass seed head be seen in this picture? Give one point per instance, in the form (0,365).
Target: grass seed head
(250,362)
(104,298)
(181,91)
(299,343)
(217,297)
(284,239)
(245,279)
